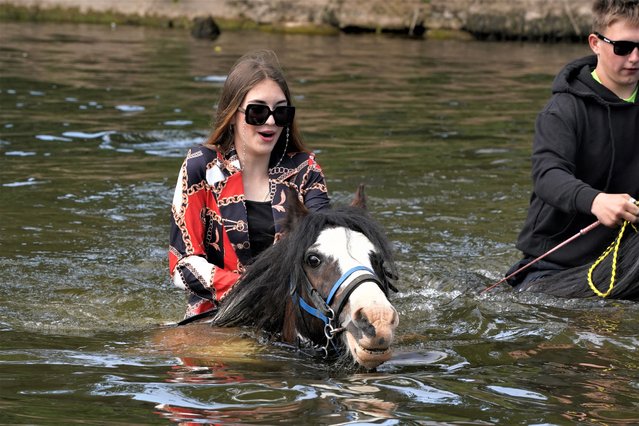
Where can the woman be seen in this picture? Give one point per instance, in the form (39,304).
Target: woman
(230,193)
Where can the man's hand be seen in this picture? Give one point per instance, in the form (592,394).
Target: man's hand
(613,209)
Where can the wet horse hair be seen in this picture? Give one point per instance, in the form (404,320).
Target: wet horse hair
(574,282)
(263,297)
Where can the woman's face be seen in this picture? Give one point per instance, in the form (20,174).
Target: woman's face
(252,141)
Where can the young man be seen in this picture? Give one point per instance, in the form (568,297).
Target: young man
(585,160)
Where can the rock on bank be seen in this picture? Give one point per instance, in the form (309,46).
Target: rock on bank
(500,19)
(514,19)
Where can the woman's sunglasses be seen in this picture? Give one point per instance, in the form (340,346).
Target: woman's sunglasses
(257,114)
(621,47)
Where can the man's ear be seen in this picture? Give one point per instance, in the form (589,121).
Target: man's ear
(359,200)
(295,210)
(593,42)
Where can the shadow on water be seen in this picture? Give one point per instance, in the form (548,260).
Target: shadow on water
(94,123)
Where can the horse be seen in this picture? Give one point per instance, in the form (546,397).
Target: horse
(615,276)
(323,287)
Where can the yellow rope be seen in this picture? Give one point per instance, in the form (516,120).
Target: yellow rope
(612,248)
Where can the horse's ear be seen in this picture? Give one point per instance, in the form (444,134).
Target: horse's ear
(360,197)
(295,210)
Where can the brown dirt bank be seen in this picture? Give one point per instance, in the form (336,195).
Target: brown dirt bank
(495,19)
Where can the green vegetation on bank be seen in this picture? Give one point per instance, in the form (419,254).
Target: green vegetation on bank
(14,13)
(60,14)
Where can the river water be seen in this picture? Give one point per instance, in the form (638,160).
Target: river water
(94,123)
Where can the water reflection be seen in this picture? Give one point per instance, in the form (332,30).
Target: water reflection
(94,123)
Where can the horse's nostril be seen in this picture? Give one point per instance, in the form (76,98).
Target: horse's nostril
(376,323)
(361,322)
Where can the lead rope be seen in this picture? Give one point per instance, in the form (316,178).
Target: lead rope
(612,248)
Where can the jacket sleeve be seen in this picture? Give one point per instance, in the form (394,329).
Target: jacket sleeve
(313,187)
(554,161)
(192,247)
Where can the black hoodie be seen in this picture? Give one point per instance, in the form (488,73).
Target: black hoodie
(586,142)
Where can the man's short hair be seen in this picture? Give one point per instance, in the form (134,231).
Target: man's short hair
(607,12)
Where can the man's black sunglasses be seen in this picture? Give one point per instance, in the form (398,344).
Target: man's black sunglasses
(257,114)
(621,47)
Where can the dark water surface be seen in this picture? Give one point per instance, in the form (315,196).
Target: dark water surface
(94,123)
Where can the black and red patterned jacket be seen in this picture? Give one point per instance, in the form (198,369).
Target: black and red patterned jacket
(209,241)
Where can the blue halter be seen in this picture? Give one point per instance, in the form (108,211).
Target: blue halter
(329,313)
(323,310)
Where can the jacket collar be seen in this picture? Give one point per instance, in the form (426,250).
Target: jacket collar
(229,162)
(576,78)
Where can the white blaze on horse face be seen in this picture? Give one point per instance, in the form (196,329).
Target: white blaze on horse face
(369,317)
(349,248)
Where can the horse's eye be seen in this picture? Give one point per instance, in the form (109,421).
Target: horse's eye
(313,260)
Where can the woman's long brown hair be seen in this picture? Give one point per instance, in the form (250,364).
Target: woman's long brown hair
(248,71)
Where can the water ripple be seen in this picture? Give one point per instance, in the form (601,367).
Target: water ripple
(518,393)
(168,143)
(417,391)
(130,108)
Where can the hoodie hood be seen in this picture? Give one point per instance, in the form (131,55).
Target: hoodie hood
(576,79)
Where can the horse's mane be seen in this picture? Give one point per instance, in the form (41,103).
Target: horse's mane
(574,282)
(260,297)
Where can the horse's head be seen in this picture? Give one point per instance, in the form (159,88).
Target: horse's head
(342,283)
(324,285)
